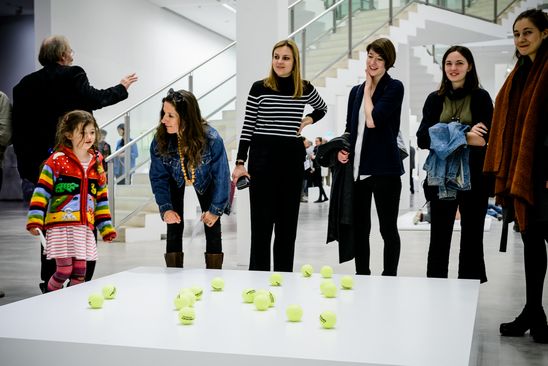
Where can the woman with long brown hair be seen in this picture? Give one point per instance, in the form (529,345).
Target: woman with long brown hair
(187,151)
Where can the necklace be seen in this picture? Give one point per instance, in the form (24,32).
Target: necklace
(456,109)
(192,170)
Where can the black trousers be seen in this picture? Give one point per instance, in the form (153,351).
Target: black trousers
(535,239)
(473,208)
(276,171)
(386,190)
(174,240)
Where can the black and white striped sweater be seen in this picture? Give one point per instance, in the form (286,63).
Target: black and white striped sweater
(277,114)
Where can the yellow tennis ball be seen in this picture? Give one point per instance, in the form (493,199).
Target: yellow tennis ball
(217,284)
(248,295)
(330,289)
(198,292)
(269,295)
(326,272)
(109,292)
(307,270)
(190,295)
(276,279)
(183,300)
(328,319)
(324,283)
(187,315)
(294,313)
(95,301)
(261,301)
(347,282)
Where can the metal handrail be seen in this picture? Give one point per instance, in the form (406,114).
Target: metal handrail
(167,85)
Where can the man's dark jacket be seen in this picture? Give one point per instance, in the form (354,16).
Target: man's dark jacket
(40,99)
(340,222)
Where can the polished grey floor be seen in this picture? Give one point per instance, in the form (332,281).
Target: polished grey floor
(501,298)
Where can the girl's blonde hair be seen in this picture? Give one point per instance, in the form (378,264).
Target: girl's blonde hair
(272,81)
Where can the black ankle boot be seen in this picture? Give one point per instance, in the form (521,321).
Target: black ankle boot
(518,327)
(539,327)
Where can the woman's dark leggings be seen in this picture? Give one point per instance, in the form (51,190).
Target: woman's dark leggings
(535,239)
(174,241)
(386,190)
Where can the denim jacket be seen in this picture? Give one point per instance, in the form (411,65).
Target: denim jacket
(212,170)
(447,163)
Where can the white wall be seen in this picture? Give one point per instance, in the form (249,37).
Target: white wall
(114,38)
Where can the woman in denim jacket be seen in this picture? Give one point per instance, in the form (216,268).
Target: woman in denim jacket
(459,99)
(187,151)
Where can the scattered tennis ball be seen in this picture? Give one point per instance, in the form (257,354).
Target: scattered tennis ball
(187,315)
(109,292)
(217,284)
(183,300)
(324,283)
(272,298)
(294,313)
(276,279)
(261,301)
(328,319)
(95,301)
(347,282)
(330,289)
(248,295)
(326,272)
(198,292)
(190,294)
(307,270)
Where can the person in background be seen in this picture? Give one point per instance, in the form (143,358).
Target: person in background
(119,167)
(317,174)
(373,121)
(40,99)
(71,200)
(103,146)
(273,122)
(188,151)
(459,99)
(5,129)
(5,136)
(517,154)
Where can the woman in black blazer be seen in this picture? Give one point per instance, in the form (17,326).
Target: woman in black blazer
(373,121)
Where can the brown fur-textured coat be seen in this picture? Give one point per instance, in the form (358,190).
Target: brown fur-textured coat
(516,122)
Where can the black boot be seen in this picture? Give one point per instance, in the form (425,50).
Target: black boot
(539,327)
(174,259)
(214,260)
(518,326)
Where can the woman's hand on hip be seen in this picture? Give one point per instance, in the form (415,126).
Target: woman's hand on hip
(305,122)
(171,217)
(342,156)
(209,219)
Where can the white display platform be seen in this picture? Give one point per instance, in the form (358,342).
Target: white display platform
(382,321)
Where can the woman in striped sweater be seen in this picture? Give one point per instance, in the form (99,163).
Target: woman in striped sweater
(271,136)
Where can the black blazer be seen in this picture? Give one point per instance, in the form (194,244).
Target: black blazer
(341,207)
(380,154)
(40,99)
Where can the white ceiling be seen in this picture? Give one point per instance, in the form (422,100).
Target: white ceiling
(212,14)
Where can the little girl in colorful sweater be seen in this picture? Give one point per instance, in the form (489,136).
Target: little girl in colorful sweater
(71,199)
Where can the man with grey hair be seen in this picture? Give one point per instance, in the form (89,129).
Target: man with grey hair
(41,99)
